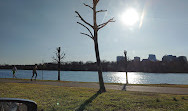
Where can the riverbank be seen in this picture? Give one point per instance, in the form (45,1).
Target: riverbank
(51,97)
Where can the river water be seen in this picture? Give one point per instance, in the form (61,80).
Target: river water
(109,77)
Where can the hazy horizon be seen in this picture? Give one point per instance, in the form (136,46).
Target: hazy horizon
(30,31)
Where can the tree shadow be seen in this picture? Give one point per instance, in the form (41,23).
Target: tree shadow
(82,106)
(124,87)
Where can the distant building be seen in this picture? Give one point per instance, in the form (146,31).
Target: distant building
(136,59)
(182,59)
(169,58)
(145,60)
(152,57)
(120,58)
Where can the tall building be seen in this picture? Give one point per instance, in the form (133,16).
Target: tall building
(182,59)
(169,58)
(120,58)
(152,57)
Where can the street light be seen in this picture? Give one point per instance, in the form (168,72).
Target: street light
(125,53)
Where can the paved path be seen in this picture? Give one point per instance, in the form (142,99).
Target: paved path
(169,90)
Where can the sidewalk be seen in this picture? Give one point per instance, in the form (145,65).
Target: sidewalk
(169,90)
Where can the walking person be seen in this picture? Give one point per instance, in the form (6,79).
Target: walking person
(34,72)
(14,69)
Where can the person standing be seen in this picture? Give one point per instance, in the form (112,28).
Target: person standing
(34,72)
(14,69)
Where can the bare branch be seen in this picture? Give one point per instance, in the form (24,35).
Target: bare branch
(97,1)
(110,20)
(56,54)
(55,59)
(87,35)
(101,11)
(83,19)
(104,24)
(86,28)
(88,6)
(62,56)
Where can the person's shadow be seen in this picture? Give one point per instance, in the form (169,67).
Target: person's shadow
(82,106)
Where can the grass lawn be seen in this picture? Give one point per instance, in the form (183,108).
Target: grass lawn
(161,85)
(60,98)
(152,85)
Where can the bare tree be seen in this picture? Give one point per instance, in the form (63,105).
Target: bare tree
(94,37)
(58,57)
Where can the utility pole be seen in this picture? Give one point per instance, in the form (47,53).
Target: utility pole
(42,68)
(125,53)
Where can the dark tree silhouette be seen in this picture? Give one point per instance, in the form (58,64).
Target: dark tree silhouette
(58,57)
(94,36)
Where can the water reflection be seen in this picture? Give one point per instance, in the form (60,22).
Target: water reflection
(135,78)
(117,77)
(120,77)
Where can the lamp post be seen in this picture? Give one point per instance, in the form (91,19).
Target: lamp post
(125,53)
(42,68)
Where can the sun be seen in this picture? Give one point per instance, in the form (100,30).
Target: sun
(130,17)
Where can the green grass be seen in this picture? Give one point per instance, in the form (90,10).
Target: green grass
(66,98)
(152,85)
(161,85)
(33,79)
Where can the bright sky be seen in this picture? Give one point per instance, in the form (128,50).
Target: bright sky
(30,30)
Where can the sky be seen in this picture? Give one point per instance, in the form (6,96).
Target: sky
(31,30)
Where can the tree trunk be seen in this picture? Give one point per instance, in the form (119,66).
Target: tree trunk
(59,62)
(99,68)
(59,71)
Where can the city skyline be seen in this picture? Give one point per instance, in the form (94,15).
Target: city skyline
(150,57)
(30,31)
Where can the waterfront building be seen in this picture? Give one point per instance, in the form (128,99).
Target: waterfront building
(136,59)
(152,57)
(120,58)
(169,58)
(182,59)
